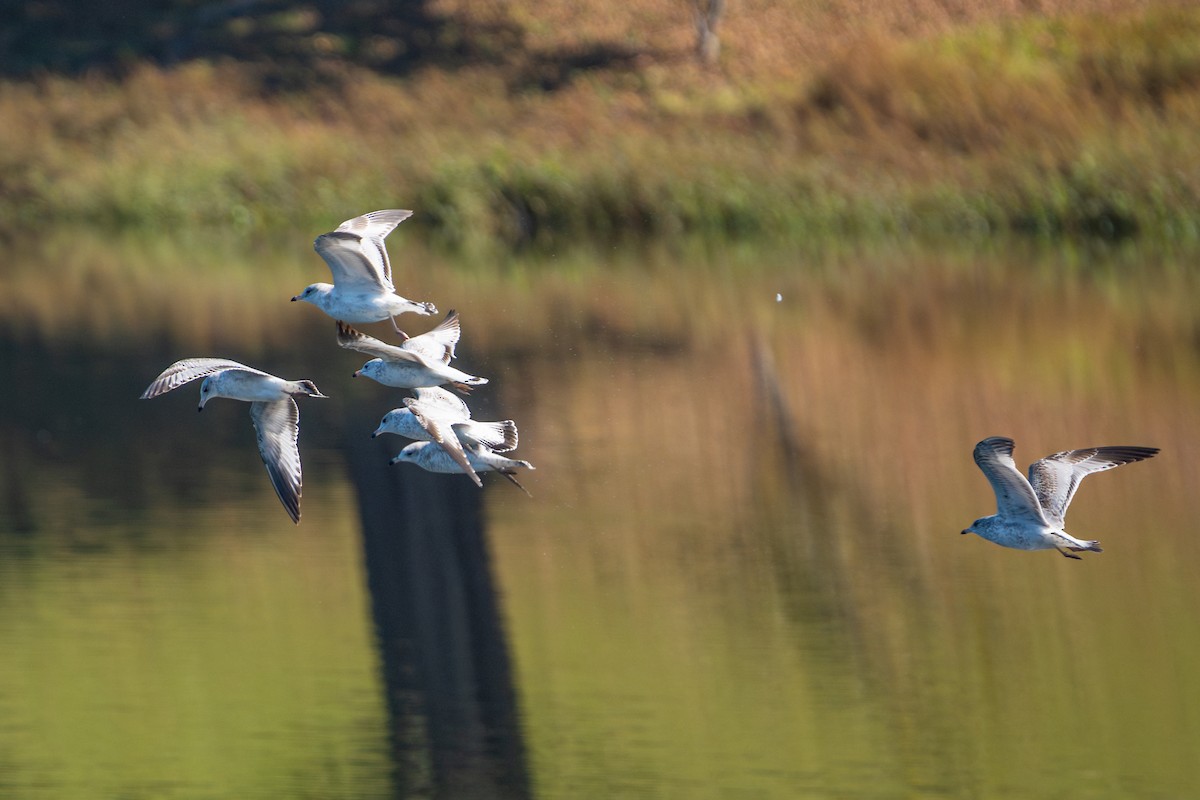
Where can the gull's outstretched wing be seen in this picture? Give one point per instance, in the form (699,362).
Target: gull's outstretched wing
(355,252)
(1014,496)
(188,370)
(437,344)
(1056,477)
(442,431)
(351,339)
(278,426)
(443,403)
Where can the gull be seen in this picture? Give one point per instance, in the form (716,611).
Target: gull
(436,415)
(362,289)
(433,457)
(272,409)
(1030,513)
(419,362)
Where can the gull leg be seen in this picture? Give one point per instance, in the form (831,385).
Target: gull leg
(517,483)
(405,336)
(1069,555)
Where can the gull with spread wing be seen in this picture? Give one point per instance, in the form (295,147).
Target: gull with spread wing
(436,415)
(272,409)
(1030,513)
(419,362)
(362,289)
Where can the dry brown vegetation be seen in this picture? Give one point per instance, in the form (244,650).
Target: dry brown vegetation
(598,121)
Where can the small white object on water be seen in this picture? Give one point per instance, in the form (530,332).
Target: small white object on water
(778,297)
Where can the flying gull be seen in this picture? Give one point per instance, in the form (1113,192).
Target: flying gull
(419,362)
(272,409)
(362,289)
(434,458)
(1030,513)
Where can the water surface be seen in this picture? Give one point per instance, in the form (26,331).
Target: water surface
(740,574)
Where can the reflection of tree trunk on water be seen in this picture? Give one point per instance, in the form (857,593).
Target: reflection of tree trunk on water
(844,567)
(445,659)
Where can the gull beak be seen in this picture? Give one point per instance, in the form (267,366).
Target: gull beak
(394,461)
(378,431)
(199,408)
(968,530)
(294,299)
(355,375)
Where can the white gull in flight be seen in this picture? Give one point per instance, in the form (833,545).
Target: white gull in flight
(1030,513)
(432,457)
(272,409)
(419,362)
(362,289)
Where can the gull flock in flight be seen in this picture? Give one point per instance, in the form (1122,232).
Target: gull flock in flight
(363,291)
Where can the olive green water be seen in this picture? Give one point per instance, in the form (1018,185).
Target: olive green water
(740,574)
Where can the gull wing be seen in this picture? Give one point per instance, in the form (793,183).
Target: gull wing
(278,426)
(437,344)
(1056,477)
(351,339)
(188,370)
(355,251)
(1014,495)
(443,432)
(435,399)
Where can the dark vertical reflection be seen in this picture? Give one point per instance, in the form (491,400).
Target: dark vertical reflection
(445,659)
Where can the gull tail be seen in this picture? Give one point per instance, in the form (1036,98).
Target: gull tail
(500,437)
(1079,546)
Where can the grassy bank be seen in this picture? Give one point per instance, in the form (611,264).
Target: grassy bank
(1077,124)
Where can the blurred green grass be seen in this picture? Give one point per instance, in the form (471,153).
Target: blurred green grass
(1072,125)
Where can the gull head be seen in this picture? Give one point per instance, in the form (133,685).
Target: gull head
(409,453)
(313,293)
(387,425)
(371,369)
(976,526)
(308,388)
(207,392)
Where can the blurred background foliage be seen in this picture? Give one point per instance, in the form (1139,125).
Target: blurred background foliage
(518,124)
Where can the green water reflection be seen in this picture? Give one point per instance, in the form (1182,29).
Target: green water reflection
(740,574)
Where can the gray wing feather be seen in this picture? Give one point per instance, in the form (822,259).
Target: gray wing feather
(355,251)
(1014,496)
(188,370)
(351,339)
(437,344)
(278,427)
(443,403)
(1056,477)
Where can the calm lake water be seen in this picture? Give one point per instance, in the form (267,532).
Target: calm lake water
(740,574)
